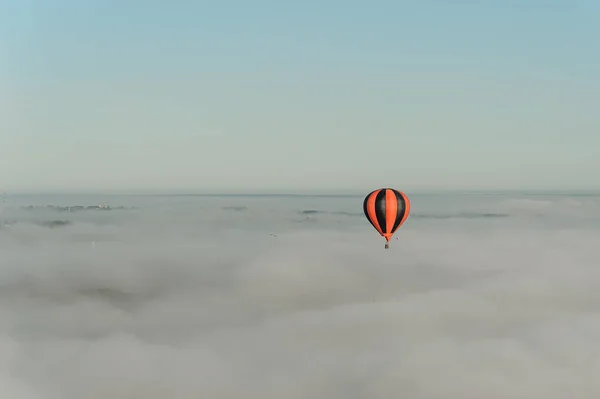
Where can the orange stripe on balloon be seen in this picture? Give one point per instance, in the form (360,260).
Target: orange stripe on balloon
(391,211)
(371,211)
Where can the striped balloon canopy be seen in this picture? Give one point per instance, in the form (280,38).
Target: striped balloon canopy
(386,209)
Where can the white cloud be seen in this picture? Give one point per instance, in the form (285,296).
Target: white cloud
(207,304)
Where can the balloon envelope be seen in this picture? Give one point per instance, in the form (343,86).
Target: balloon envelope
(386,209)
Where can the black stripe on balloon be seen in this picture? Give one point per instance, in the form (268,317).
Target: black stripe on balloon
(380,210)
(401,210)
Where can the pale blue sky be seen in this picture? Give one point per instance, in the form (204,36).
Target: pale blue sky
(294,96)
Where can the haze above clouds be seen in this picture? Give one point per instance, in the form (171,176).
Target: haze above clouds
(228,297)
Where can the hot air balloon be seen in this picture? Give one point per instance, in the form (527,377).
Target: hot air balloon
(386,209)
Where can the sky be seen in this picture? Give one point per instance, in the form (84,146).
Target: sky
(278,96)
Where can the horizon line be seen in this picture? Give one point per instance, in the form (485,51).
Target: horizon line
(299,193)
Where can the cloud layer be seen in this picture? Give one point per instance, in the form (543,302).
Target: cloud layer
(254,298)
